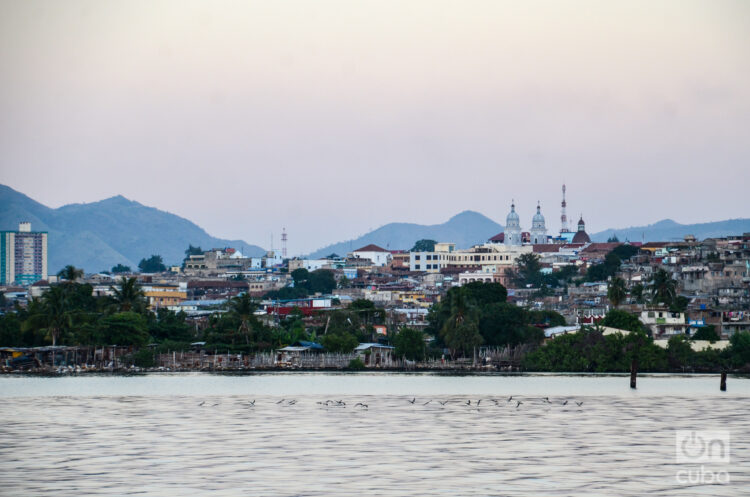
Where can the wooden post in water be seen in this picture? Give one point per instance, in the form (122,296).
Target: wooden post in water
(633,373)
(723,386)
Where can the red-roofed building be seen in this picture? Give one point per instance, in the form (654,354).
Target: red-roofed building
(378,255)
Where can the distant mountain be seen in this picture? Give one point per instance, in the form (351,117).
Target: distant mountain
(465,229)
(113,231)
(669,230)
(470,228)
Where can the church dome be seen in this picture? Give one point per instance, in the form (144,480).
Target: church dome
(538,218)
(581,236)
(512,219)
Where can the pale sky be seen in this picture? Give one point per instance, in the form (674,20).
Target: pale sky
(331,118)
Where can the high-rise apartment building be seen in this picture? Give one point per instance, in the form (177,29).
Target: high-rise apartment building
(23,256)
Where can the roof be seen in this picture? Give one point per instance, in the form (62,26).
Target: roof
(500,237)
(560,330)
(365,346)
(602,247)
(217,284)
(311,345)
(545,247)
(371,248)
(581,237)
(302,346)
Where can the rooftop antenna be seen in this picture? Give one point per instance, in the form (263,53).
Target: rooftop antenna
(283,243)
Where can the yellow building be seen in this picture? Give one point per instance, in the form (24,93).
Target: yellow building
(164,295)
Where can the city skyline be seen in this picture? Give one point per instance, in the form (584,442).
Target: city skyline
(247,118)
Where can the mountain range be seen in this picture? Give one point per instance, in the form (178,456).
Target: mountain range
(470,228)
(669,230)
(465,229)
(99,235)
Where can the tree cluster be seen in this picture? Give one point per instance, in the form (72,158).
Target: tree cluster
(306,283)
(478,314)
(591,351)
(153,264)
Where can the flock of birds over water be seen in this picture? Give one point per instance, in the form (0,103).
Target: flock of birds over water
(469,403)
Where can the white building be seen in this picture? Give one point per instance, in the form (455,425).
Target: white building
(662,322)
(538,228)
(512,227)
(378,255)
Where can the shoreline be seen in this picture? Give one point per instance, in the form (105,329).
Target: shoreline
(368,372)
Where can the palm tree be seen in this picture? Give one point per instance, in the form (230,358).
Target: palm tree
(461,330)
(70,273)
(616,291)
(243,308)
(663,288)
(52,313)
(129,297)
(637,292)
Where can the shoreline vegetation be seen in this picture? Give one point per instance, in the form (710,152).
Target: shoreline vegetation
(472,329)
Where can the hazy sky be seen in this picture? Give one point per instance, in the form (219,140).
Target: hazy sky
(334,117)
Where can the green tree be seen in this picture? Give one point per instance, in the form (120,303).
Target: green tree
(168,325)
(663,288)
(153,264)
(503,324)
(706,333)
(529,270)
(54,314)
(625,251)
(480,293)
(546,318)
(123,328)
(322,281)
(637,292)
(120,269)
(679,304)
(679,352)
(601,272)
(128,296)
(319,281)
(70,274)
(339,342)
(739,350)
(461,331)
(410,344)
(424,245)
(193,251)
(366,311)
(243,308)
(11,332)
(616,291)
(622,320)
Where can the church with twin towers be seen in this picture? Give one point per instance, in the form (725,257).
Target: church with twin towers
(515,236)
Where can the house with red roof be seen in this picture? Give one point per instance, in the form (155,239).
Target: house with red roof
(378,255)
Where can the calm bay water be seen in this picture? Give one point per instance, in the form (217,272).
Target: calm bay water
(201,434)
